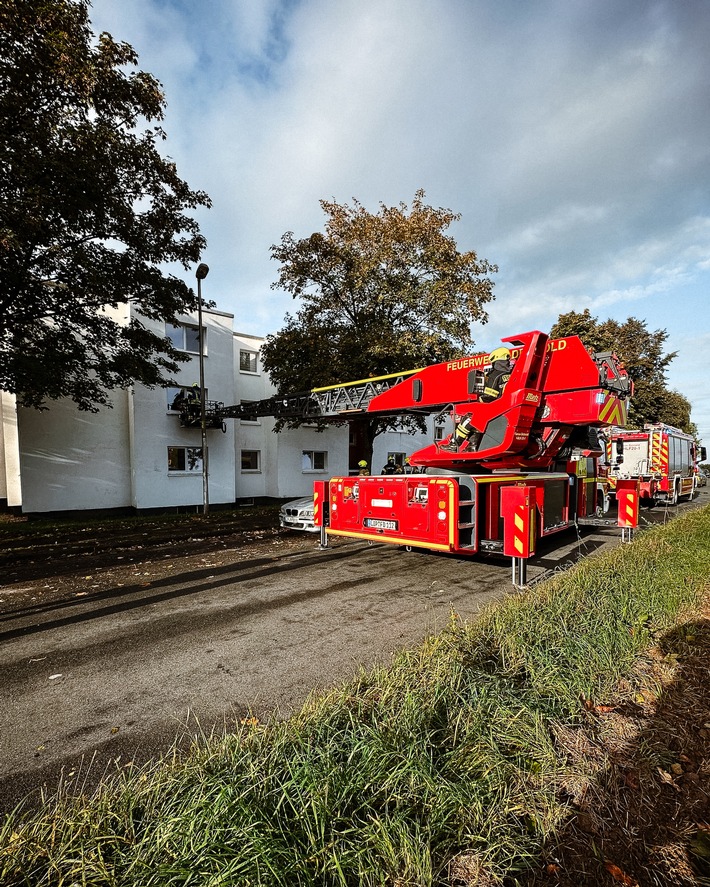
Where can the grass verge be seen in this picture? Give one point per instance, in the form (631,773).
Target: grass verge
(441,768)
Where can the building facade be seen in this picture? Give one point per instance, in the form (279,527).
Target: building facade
(138,456)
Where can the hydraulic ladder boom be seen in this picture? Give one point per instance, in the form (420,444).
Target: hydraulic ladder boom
(331,403)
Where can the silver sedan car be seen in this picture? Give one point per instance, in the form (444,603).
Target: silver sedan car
(298,515)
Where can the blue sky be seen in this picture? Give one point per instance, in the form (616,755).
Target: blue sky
(572,136)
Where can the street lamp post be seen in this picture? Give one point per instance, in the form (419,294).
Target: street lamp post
(200,274)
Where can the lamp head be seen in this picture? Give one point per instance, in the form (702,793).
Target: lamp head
(202,271)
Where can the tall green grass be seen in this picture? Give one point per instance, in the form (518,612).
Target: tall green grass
(440,765)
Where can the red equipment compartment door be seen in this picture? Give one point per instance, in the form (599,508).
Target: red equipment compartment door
(520,518)
(627,498)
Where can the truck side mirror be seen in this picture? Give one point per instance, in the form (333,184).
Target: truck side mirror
(619,460)
(619,447)
(703,454)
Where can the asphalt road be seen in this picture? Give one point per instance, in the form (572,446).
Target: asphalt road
(117,676)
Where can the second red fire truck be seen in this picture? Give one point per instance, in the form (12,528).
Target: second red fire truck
(662,458)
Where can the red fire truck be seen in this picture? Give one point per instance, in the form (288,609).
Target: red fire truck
(532,472)
(663,459)
(529,471)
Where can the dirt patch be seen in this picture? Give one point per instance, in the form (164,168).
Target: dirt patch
(45,563)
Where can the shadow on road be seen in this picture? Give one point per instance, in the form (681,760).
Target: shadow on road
(178,586)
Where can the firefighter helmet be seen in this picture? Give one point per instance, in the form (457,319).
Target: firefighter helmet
(362,464)
(499,354)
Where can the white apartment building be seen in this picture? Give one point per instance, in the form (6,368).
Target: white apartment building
(137,456)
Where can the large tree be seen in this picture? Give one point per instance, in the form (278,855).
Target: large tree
(379,293)
(642,352)
(91,214)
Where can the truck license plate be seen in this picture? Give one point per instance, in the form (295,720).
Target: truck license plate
(376,523)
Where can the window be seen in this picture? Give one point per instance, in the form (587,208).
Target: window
(251,460)
(439,432)
(254,420)
(185,337)
(247,361)
(398,458)
(314,460)
(173,395)
(187,459)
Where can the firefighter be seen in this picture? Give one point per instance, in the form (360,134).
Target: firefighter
(178,400)
(464,431)
(193,401)
(408,467)
(494,383)
(498,375)
(362,468)
(390,467)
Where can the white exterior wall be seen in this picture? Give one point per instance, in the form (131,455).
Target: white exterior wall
(154,427)
(296,480)
(253,436)
(10,485)
(118,458)
(75,460)
(281,474)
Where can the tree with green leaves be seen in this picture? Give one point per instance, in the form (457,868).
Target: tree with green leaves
(642,352)
(90,212)
(379,293)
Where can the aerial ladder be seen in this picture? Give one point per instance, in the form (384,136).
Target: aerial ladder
(331,403)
